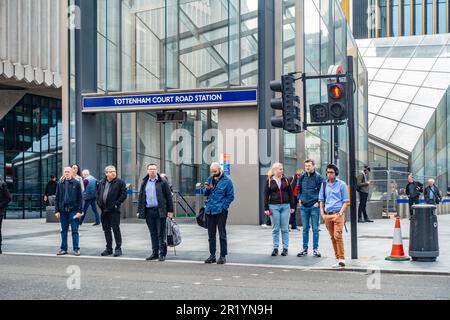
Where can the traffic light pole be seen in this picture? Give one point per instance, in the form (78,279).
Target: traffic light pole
(352,158)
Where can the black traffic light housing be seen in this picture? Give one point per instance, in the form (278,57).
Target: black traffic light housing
(336,107)
(289,103)
(337,101)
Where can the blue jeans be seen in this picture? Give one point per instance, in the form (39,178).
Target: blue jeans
(310,217)
(66,220)
(93,204)
(280,220)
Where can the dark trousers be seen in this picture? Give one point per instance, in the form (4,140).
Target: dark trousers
(217,221)
(157,227)
(111,220)
(362,205)
(1,220)
(292,219)
(412,202)
(92,203)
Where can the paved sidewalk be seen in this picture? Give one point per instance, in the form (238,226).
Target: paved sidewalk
(247,245)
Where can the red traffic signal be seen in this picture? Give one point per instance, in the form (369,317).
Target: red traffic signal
(336,91)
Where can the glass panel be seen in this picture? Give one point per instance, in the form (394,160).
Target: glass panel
(394,18)
(429,97)
(442,15)
(429,17)
(171,44)
(393,109)
(386,75)
(421,64)
(438,80)
(405,136)
(375,103)
(418,116)
(414,78)
(382,127)
(403,93)
(406,17)
(442,65)
(380,89)
(418,17)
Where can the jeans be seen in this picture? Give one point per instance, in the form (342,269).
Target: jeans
(111,220)
(157,227)
(217,221)
(66,220)
(280,220)
(411,203)
(93,204)
(362,205)
(310,217)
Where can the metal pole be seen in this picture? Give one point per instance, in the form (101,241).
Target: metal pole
(352,158)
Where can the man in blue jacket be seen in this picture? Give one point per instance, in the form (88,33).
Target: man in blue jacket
(68,209)
(90,196)
(308,190)
(220,192)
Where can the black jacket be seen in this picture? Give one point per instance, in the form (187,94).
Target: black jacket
(417,190)
(437,195)
(75,197)
(50,188)
(163,195)
(5,197)
(116,196)
(273,194)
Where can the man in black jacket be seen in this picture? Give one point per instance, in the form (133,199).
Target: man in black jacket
(68,209)
(155,205)
(50,191)
(5,199)
(413,191)
(111,193)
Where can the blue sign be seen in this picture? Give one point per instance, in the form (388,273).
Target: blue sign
(171,99)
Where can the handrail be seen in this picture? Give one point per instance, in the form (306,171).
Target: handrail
(185,202)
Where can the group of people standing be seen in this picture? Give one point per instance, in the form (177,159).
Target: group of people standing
(318,198)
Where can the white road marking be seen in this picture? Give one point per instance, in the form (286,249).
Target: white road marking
(148,292)
(218,279)
(197,283)
(236,277)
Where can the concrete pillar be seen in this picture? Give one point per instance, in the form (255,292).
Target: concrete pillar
(244,173)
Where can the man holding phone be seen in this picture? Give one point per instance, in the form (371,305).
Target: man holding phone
(220,192)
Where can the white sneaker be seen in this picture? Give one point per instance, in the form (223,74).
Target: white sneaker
(265,226)
(340,264)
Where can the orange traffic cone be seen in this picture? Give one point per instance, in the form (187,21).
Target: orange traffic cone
(397,253)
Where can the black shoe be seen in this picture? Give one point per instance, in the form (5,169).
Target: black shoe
(368,220)
(361,221)
(96,224)
(153,257)
(303,253)
(107,253)
(61,253)
(162,258)
(211,259)
(222,260)
(284,253)
(117,252)
(1,251)
(274,252)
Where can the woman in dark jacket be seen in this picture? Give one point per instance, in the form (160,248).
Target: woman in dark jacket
(279,203)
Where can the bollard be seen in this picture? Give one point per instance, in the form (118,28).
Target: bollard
(403,207)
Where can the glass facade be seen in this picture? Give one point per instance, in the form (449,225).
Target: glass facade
(168,44)
(393,18)
(431,155)
(408,76)
(30,152)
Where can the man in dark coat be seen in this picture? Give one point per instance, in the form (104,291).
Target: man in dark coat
(68,209)
(413,191)
(432,194)
(111,193)
(155,205)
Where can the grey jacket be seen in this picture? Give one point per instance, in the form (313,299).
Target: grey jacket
(363,185)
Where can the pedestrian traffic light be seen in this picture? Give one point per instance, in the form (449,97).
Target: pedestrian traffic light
(319,112)
(337,101)
(288,103)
